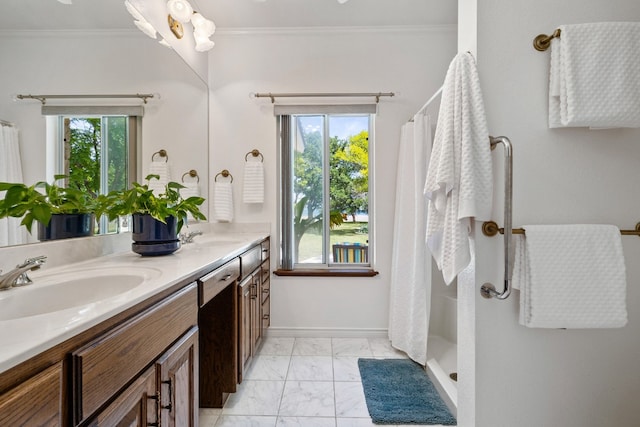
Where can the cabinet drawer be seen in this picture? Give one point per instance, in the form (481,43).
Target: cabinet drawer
(266,250)
(36,402)
(250,260)
(213,283)
(107,364)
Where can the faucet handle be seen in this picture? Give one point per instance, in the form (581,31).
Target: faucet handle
(22,280)
(36,261)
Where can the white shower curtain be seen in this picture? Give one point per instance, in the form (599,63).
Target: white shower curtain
(11,233)
(410,295)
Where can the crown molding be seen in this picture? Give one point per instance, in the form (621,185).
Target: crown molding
(249,31)
(70,33)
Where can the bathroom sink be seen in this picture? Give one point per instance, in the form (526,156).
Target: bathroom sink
(60,291)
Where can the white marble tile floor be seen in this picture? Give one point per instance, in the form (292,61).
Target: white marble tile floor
(302,382)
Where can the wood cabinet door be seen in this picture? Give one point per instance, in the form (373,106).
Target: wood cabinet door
(256,308)
(136,406)
(177,380)
(36,402)
(244,325)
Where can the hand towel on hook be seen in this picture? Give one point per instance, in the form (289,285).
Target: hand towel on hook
(459,181)
(223,201)
(571,276)
(253,184)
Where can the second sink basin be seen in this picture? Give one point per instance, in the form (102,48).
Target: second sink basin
(61,291)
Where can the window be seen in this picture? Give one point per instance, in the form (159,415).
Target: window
(96,151)
(325,159)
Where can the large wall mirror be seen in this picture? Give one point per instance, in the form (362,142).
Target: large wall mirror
(93,47)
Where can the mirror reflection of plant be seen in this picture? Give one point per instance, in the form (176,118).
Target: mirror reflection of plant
(41,200)
(142,200)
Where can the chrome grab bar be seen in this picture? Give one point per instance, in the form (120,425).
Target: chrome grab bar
(487,290)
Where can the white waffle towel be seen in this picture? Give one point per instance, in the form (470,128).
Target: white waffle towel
(160,168)
(191,189)
(253,189)
(594,79)
(459,181)
(223,201)
(571,276)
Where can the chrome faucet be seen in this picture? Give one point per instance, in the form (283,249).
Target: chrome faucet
(18,276)
(188,237)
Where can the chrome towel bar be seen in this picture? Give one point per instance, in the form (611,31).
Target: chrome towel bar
(487,290)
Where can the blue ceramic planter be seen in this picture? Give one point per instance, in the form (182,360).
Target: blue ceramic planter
(152,237)
(65,226)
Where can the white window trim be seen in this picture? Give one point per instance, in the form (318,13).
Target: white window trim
(283,114)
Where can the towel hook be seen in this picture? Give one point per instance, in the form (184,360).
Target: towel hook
(487,290)
(161,153)
(255,153)
(193,174)
(225,173)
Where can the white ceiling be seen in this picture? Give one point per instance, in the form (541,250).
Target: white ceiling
(111,14)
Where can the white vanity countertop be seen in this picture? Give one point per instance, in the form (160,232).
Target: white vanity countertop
(24,337)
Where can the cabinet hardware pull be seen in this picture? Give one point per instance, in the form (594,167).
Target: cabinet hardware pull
(265,316)
(265,250)
(265,291)
(170,405)
(156,399)
(225,277)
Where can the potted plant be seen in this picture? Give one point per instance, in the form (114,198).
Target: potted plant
(157,219)
(61,212)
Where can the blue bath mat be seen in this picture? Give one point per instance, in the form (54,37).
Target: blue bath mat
(398,391)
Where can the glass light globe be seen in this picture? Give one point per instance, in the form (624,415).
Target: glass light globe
(133,11)
(146,28)
(180,10)
(165,43)
(204,46)
(202,24)
(203,43)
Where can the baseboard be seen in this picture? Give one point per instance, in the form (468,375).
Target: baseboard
(274,331)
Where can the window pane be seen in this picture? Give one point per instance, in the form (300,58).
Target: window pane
(116,164)
(83,139)
(96,157)
(308,189)
(349,188)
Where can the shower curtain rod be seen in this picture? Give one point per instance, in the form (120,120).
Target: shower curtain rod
(6,123)
(273,96)
(43,98)
(426,104)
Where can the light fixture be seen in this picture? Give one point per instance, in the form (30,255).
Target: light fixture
(181,13)
(139,20)
(180,10)
(176,27)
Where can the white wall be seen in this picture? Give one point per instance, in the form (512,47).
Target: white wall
(536,377)
(410,62)
(105,63)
